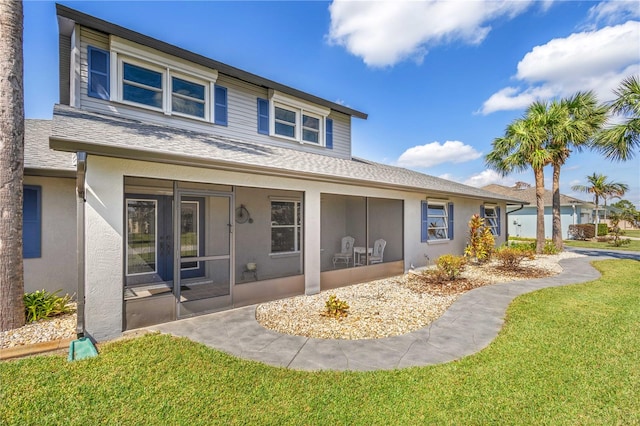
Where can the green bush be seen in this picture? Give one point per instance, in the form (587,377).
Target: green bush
(451,266)
(42,304)
(511,257)
(550,248)
(335,307)
(603,229)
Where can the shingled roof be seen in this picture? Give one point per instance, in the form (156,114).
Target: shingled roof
(528,195)
(99,134)
(39,159)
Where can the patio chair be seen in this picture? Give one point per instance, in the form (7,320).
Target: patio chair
(378,251)
(346,251)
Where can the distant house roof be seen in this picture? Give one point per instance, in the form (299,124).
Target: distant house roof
(76,130)
(528,195)
(39,159)
(75,16)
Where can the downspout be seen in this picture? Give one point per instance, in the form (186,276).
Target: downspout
(81,169)
(506,218)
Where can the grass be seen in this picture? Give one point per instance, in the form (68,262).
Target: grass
(566,355)
(634,245)
(632,233)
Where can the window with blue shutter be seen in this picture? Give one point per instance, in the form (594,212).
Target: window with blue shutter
(98,63)
(498,220)
(491,215)
(31,221)
(329,136)
(263,116)
(450,221)
(424,223)
(220,110)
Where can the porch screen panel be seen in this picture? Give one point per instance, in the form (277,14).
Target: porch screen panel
(141,236)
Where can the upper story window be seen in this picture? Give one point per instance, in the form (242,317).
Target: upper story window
(149,79)
(286,117)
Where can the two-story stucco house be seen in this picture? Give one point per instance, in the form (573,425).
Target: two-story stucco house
(169,185)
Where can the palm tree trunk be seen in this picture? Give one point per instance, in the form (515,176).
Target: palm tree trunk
(597,213)
(557,218)
(11,165)
(539,176)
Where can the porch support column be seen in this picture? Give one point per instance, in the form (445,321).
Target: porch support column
(312,241)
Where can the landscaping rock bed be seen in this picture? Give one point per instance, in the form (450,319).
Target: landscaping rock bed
(392,306)
(61,327)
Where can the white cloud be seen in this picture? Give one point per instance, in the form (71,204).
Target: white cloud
(384,33)
(590,60)
(488,177)
(434,153)
(611,12)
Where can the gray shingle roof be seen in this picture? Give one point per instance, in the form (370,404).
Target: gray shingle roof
(529,195)
(77,130)
(38,157)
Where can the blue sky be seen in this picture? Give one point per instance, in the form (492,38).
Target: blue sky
(439,80)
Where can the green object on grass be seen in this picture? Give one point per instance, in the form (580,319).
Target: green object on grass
(82,348)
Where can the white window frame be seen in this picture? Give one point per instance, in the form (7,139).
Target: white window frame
(487,218)
(126,51)
(300,108)
(297,227)
(445,217)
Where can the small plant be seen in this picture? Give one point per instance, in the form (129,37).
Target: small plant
(43,304)
(550,248)
(615,232)
(511,258)
(481,242)
(335,307)
(450,266)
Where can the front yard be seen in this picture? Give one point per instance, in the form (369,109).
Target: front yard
(565,356)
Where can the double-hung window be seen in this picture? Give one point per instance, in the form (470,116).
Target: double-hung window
(294,119)
(158,82)
(286,226)
(437,221)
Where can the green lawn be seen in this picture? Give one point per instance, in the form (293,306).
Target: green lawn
(632,233)
(633,246)
(565,356)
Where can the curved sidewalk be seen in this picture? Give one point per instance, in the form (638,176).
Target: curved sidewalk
(468,326)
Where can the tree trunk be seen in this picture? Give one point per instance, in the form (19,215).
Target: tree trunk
(556,234)
(11,165)
(597,214)
(539,175)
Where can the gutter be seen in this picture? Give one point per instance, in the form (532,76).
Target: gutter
(506,218)
(81,170)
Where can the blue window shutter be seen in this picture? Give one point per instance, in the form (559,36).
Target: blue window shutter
(482,210)
(329,141)
(220,101)
(450,221)
(498,219)
(98,63)
(263,116)
(31,221)
(423,223)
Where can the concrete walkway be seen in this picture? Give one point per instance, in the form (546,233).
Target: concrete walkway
(468,326)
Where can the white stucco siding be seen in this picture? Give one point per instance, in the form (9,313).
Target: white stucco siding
(242,109)
(56,268)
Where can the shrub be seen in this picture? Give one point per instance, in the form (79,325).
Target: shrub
(510,257)
(42,304)
(582,232)
(603,229)
(481,242)
(615,232)
(335,307)
(450,266)
(550,248)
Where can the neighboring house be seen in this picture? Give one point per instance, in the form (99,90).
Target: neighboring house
(201,187)
(522,221)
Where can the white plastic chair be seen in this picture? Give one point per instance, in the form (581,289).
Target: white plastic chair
(378,251)
(346,251)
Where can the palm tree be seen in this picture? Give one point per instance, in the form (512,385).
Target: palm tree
(619,142)
(11,165)
(601,188)
(522,146)
(571,124)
